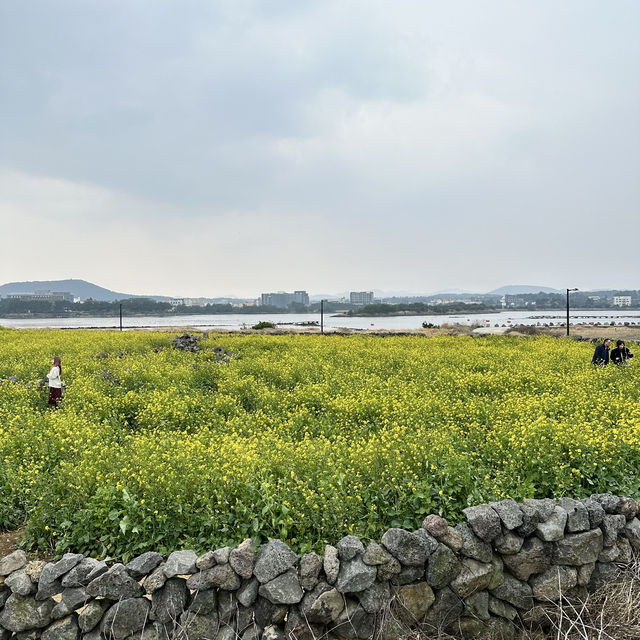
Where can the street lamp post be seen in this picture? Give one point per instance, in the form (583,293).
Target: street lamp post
(568,290)
(322,316)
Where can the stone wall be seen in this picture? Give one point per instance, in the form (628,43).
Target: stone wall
(473,580)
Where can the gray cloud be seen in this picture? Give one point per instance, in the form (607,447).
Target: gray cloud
(393,137)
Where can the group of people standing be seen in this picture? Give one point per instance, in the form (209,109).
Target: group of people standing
(620,355)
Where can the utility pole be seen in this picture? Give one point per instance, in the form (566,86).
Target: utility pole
(322,317)
(121,316)
(568,290)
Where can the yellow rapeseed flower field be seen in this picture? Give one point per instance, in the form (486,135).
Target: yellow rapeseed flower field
(301,437)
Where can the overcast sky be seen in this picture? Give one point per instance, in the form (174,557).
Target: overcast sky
(205,147)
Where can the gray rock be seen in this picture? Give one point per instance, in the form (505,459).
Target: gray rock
(595,512)
(508,543)
(349,547)
(375,598)
(221,556)
(79,575)
(155,580)
(474,576)
(22,613)
(534,557)
(244,618)
(13,562)
(310,567)
(445,610)
(283,589)
(539,510)
(630,508)
(220,575)
(478,605)
(48,588)
(180,563)
(273,558)
(248,592)
(469,627)
(584,573)
(4,595)
(430,543)
(472,546)
(632,533)
(194,626)
(169,602)
(241,559)
(34,569)
(115,584)
(611,526)
(64,565)
(250,633)
(125,618)
(98,570)
(452,538)
(497,572)
(91,615)
(407,575)
(331,563)
(389,570)
(206,560)
(354,622)
(554,583)
(552,529)
(72,598)
(96,635)
(484,521)
(500,628)
(226,633)
(355,575)
(515,592)
(64,629)
(578,548)
(204,602)
(610,503)
(273,633)
(408,548)
(509,512)
(577,515)
(443,567)
(299,627)
(19,582)
(499,608)
(50,583)
(227,605)
(603,573)
(266,613)
(376,555)
(326,607)
(143,565)
(626,552)
(413,601)
(435,525)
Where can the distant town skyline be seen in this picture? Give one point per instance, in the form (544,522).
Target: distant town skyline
(229,147)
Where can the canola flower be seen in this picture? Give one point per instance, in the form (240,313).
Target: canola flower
(305,438)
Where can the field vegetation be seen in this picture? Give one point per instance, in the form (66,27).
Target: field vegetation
(301,437)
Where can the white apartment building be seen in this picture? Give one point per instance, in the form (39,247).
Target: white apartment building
(361,297)
(621,301)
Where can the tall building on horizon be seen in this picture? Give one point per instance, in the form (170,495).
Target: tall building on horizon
(283,299)
(361,297)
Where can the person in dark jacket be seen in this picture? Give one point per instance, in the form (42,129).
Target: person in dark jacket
(621,354)
(601,355)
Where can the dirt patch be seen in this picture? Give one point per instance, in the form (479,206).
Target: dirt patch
(9,541)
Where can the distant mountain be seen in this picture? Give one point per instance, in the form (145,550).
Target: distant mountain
(516,289)
(79,288)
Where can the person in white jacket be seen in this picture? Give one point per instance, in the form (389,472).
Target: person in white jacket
(55,383)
